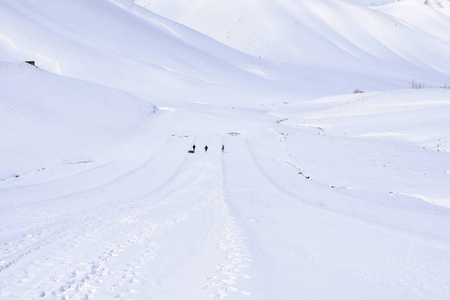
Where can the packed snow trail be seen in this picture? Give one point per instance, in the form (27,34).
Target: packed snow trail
(134,235)
(156,222)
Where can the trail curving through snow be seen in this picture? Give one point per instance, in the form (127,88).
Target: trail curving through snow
(158,222)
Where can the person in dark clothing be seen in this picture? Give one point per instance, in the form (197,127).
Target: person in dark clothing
(223,148)
(206,148)
(193,147)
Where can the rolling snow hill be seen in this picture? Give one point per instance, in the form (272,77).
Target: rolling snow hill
(336,47)
(50,120)
(328,33)
(119,44)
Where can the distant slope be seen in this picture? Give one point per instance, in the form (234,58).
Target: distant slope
(432,17)
(327,47)
(119,44)
(322,32)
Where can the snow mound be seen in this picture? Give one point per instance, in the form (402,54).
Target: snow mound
(48,119)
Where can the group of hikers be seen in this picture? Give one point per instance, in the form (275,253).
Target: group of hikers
(206,148)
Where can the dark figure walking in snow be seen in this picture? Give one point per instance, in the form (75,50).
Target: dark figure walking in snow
(223,148)
(206,148)
(193,147)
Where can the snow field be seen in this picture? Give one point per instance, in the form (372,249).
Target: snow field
(337,197)
(264,219)
(397,140)
(84,260)
(305,257)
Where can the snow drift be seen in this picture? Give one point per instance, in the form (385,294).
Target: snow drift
(49,119)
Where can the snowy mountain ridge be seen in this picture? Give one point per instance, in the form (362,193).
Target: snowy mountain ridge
(318,39)
(319,32)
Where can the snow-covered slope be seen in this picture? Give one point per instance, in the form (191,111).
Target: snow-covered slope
(323,32)
(49,120)
(321,199)
(121,45)
(397,139)
(338,197)
(337,47)
(432,17)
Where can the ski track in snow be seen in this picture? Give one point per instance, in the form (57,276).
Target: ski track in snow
(123,249)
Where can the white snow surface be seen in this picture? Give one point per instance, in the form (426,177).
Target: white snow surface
(318,194)
(323,32)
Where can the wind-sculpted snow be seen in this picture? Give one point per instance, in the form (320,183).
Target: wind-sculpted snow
(327,33)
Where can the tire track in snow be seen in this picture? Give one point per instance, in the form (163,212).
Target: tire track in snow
(88,254)
(78,228)
(28,245)
(347,210)
(83,278)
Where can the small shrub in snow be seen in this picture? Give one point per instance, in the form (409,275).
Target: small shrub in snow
(417,86)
